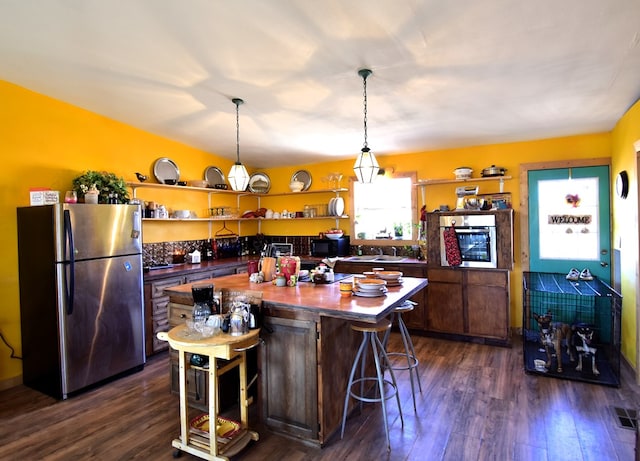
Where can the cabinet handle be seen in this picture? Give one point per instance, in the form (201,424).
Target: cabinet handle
(183,316)
(242,349)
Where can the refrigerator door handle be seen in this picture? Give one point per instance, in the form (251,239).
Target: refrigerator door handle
(70,251)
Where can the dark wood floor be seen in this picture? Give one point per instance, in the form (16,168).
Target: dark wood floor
(476,404)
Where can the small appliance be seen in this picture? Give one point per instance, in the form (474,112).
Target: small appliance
(330,248)
(276,250)
(462,192)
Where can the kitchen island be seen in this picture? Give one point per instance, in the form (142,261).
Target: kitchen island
(309,348)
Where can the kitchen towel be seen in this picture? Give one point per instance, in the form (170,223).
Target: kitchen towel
(452,247)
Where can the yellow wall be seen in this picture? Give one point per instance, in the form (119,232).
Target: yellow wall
(47,143)
(625,224)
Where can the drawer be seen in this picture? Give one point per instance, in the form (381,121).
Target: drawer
(194,277)
(178,313)
(444,275)
(158,286)
(159,305)
(488,278)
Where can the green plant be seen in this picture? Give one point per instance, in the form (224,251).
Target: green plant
(106,183)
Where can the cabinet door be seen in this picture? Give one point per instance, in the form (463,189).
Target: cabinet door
(445,310)
(289,379)
(488,303)
(445,296)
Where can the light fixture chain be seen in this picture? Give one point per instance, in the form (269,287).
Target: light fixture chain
(365,111)
(238,131)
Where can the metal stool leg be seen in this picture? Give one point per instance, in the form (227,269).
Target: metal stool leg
(381,361)
(409,352)
(363,344)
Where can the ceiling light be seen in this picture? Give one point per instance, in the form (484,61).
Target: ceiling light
(238,176)
(366,166)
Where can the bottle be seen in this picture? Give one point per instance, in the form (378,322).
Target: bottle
(207,251)
(91,196)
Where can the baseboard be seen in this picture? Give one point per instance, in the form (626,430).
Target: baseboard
(10,382)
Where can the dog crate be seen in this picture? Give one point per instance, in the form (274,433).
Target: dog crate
(575,308)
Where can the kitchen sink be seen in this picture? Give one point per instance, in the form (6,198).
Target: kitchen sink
(374,258)
(390,258)
(362,258)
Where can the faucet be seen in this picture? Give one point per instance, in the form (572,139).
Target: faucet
(379,250)
(395,251)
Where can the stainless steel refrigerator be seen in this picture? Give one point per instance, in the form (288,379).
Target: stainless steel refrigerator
(81,295)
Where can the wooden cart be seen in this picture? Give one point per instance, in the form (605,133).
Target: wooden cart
(222,346)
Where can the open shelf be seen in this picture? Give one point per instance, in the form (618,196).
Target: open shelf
(431,182)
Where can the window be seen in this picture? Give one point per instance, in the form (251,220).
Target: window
(384,211)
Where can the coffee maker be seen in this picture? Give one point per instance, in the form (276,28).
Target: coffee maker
(462,193)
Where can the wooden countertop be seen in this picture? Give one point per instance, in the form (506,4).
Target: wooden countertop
(321,299)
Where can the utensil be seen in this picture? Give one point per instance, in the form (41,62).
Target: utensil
(493,171)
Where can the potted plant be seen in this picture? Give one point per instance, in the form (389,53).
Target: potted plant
(108,184)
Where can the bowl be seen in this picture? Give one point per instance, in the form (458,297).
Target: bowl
(182,214)
(334,235)
(389,275)
(296,186)
(198,183)
(182,183)
(463,172)
(170,182)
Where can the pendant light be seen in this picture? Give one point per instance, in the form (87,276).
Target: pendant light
(238,176)
(366,166)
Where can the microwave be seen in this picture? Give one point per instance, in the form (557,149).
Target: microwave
(476,236)
(330,248)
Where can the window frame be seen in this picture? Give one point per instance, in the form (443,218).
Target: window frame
(414,214)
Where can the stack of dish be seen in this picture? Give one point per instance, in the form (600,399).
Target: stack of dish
(336,206)
(370,288)
(393,278)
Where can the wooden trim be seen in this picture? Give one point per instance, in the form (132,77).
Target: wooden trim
(11,382)
(524,195)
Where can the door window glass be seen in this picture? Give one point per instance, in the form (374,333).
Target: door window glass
(568,219)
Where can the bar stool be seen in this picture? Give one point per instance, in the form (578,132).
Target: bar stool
(370,336)
(409,352)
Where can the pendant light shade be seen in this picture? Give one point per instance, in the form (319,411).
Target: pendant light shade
(238,176)
(366,166)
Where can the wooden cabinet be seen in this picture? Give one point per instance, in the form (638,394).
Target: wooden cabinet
(290,378)
(504,236)
(445,309)
(156,302)
(306,362)
(416,319)
(198,379)
(155,306)
(471,303)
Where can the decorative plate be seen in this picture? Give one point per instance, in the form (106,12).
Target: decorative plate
(165,168)
(214,176)
(259,183)
(225,428)
(303,176)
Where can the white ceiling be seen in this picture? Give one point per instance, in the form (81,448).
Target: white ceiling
(445,73)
